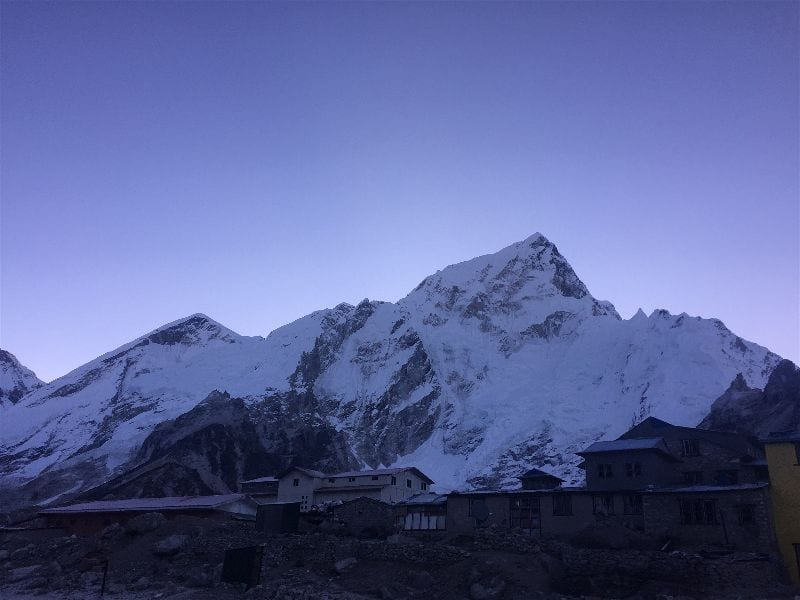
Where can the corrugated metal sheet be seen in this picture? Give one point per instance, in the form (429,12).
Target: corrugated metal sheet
(147,504)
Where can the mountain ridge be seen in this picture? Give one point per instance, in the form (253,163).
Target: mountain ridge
(489,366)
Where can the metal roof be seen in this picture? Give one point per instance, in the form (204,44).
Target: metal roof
(630,445)
(149,504)
(424,499)
(261,480)
(780,437)
(538,474)
(392,471)
(373,472)
(695,489)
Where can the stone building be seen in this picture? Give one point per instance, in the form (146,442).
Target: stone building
(706,457)
(737,517)
(91,517)
(650,480)
(631,464)
(423,512)
(365,516)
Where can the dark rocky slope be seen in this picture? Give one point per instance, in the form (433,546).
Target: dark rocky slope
(755,412)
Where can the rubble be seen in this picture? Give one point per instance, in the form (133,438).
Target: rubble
(181,559)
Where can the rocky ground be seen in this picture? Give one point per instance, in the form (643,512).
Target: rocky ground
(152,557)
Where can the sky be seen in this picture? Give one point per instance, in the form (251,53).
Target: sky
(259,161)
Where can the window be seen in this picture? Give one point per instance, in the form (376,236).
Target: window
(633,469)
(603,504)
(525,513)
(375,478)
(698,512)
(331,480)
(351,479)
(692,477)
(296,482)
(423,486)
(632,504)
(562,505)
(604,471)
(747,514)
(408,483)
(727,477)
(690,448)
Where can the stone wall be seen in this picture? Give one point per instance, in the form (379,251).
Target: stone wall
(663,519)
(365,516)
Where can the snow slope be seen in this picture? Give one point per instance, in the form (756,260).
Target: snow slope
(487,368)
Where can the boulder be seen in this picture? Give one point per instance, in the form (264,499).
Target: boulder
(340,566)
(171,545)
(112,531)
(487,591)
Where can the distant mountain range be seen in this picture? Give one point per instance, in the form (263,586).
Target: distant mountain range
(487,368)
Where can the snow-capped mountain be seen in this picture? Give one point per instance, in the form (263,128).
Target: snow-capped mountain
(487,368)
(15,379)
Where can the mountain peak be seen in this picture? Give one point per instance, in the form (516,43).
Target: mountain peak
(194,328)
(16,380)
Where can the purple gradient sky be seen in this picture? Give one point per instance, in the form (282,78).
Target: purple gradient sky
(258,161)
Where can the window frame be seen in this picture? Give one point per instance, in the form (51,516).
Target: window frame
(633,470)
(605,470)
(698,511)
(606,505)
(632,504)
(690,447)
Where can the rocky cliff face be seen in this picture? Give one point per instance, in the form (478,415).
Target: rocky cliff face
(487,368)
(15,379)
(755,412)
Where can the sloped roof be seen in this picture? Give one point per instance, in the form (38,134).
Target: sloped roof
(309,472)
(149,504)
(368,473)
(428,498)
(376,472)
(629,445)
(261,480)
(538,474)
(362,499)
(779,437)
(652,427)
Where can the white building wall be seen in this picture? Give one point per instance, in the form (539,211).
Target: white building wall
(296,486)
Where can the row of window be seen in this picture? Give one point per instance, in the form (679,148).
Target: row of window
(526,512)
(632,469)
(422,485)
